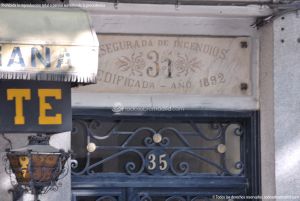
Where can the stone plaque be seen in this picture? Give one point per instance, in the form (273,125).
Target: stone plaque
(208,66)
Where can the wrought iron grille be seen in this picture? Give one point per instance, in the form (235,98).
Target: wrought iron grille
(181,156)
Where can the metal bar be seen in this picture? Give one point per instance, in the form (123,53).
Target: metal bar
(115,148)
(195,182)
(214,116)
(194,2)
(180,11)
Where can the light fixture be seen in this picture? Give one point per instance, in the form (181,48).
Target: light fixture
(37,167)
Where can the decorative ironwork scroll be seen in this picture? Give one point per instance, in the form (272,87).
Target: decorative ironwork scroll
(164,156)
(164,148)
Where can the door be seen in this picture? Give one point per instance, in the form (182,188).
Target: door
(164,156)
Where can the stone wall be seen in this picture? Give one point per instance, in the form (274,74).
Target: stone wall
(287,103)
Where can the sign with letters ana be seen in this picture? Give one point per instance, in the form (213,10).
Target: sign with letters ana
(35,106)
(201,65)
(48,63)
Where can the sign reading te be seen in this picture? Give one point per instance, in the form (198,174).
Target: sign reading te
(35,106)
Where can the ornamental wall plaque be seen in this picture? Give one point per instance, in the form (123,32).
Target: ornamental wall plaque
(200,65)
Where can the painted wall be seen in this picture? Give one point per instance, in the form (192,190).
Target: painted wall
(287,103)
(266,93)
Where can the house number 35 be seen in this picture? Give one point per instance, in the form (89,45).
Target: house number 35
(157,161)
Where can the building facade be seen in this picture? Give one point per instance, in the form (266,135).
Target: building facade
(194,101)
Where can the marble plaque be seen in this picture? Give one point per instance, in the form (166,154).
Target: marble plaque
(208,66)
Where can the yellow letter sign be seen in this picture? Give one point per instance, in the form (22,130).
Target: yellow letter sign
(18,95)
(44,106)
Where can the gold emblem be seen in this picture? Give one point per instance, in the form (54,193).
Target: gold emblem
(221,148)
(91,147)
(157,138)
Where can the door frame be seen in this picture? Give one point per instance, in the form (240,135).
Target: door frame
(233,185)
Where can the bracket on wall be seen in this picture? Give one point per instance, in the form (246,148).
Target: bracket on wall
(177,4)
(279,10)
(116,3)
